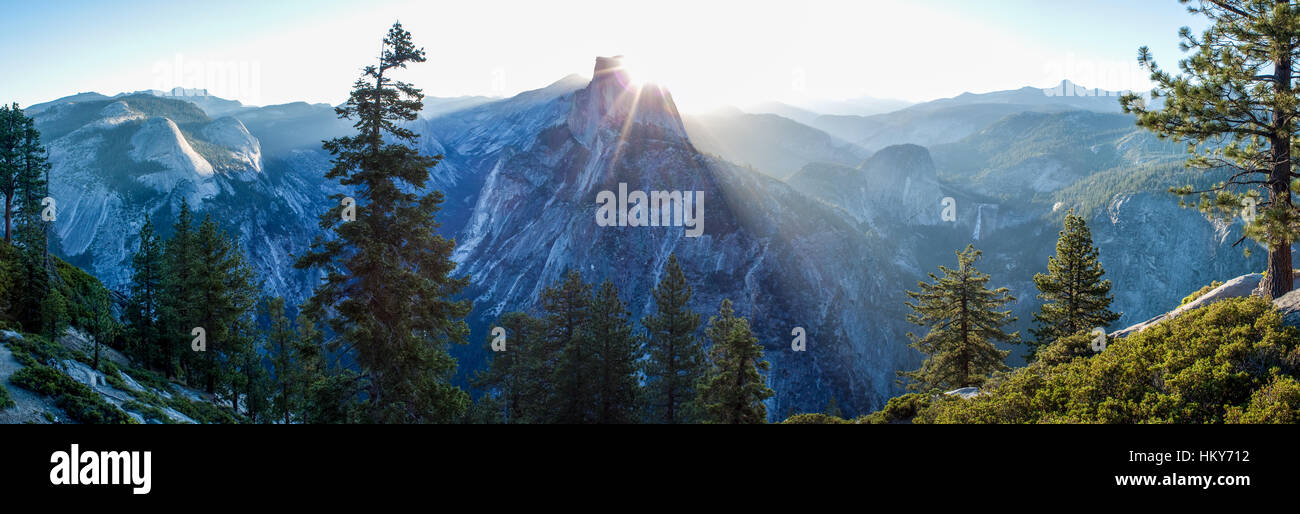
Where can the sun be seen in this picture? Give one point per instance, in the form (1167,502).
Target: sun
(640,72)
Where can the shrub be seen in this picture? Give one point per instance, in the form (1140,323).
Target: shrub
(900,409)
(202,412)
(1232,361)
(815,418)
(147,411)
(76,399)
(1276,402)
(5,400)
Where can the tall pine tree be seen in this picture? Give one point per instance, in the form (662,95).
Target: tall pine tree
(144,335)
(615,350)
(1234,104)
(520,376)
(1075,297)
(224,287)
(178,300)
(733,391)
(388,285)
(31,230)
(676,357)
(284,359)
(568,312)
(964,319)
(12,122)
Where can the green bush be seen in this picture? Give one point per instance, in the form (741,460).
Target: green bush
(900,409)
(1066,349)
(1232,361)
(150,378)
(202,412)
(5,400)
(815,418)
(32,349)
(148,411)
(75,398)
(1274,403)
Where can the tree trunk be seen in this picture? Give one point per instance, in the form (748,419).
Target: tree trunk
(8,218)
(1279,280)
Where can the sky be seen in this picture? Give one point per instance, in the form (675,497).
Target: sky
(709,53)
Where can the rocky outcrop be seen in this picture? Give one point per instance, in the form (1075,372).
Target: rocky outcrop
(1240,287)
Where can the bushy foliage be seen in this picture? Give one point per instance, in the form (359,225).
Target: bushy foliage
(75,398)
(5,400)
(900,409)
(1276,402)
(1232,361)
(815,418)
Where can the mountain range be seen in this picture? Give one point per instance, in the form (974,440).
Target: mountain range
(820,222)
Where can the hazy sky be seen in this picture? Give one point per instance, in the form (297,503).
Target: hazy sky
(708,52)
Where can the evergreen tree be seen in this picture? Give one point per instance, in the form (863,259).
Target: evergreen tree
(833,408)
(330,391)
(54,314)
(30,189)
(615,348)
(676,358)
(145,339)
(248,377)
(284,359)
(102,326)
(520,377)
(12,122)
(223,285)
(1076,298)
(568,312)
(964,321)
(9,283)
(178,299)
(388,285)
(1234,105)
(733,391)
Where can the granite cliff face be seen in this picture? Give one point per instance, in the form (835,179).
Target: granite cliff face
(116,159)
(784,259)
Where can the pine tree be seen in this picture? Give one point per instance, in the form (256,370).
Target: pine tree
(248,377)
(308,370)
(964,321)
(676,358)
(1234,105)
(9,282)
(322,395)
(284,359)
(833,408)
(54,314)
(143,331)
(178,297)
(12,123)
(615,353)
(223,285)
(1076,298)
(568,312)
(31,188)
(388,284)
(520,377)
(733,391)
(102,326)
